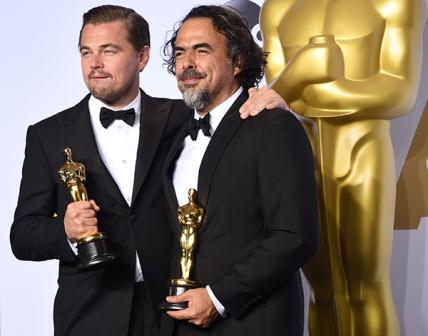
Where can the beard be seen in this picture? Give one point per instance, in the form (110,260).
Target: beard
(108,93)
(196,98)
(193,97)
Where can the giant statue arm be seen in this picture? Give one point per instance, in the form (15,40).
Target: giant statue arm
(315,83)
(289,74)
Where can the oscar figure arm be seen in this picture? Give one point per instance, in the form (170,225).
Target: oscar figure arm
(390,90)
(290,72)
(285,176)
(36,234)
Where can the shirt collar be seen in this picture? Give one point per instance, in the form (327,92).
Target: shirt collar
(95,106)
(217,113)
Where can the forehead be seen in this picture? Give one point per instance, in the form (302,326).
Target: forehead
(104,33)
(199,30)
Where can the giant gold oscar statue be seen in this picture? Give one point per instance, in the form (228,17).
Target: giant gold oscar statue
(348,66)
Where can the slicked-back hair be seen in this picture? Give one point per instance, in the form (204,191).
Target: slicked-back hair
(241,47)
(137,26)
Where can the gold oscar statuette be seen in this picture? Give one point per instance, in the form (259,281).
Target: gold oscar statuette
(92,250)
(190,217)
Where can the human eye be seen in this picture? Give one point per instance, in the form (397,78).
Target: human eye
(178,53)
(202,51)
(109,51)
(84,53)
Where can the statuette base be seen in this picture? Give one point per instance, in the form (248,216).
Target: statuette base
(177,287)
(92,252)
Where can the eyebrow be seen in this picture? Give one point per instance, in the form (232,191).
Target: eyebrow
(196,46)
(103,46)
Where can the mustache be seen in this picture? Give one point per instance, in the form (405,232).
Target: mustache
(191,74)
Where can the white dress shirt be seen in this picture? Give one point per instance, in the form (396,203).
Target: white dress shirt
(117,145)
(186,171)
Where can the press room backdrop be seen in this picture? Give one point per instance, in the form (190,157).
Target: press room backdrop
(40,75)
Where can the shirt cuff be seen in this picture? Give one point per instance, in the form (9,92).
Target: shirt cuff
(73,247)
(217,304)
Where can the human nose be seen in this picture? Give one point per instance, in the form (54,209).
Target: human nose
(188,61)
(96,61)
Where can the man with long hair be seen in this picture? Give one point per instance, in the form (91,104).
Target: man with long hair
(255,181)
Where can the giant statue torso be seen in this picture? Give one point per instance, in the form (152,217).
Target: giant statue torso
(356,25)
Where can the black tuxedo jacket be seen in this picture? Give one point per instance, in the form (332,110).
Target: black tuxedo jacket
(256,183)
(98,302)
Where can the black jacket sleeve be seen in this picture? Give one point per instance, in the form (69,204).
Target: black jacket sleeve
(37,232)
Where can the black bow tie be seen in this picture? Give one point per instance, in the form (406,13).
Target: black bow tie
(107,116)
(195,125)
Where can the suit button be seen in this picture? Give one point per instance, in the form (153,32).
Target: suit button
(133,218)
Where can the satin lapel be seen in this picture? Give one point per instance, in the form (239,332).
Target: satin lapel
(221,137)
(168,170)
(78,131)
(154,117)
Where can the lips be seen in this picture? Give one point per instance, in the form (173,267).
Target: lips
(191,82)
(98,76)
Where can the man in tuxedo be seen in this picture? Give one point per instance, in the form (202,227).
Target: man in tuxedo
(121,135)
(255,180)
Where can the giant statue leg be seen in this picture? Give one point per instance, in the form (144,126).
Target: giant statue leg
(350,275)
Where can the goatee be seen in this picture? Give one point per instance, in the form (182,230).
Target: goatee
(193,97)
(196,99)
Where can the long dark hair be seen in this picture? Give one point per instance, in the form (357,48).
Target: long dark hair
(241,46)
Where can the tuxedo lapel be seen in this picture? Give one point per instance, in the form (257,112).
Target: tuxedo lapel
(154,117)
(80,137)
(168,170)
(221,137)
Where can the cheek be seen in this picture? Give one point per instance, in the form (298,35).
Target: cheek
(127,72)
(130,67)
(118,70)
(85,72)
(84,64)
(179,68)
(226,70)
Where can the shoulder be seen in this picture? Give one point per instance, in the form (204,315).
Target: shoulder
(177,106)
(276,116)
(69,113)
(161,100)
(279,126)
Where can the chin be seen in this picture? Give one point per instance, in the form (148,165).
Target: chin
(102,93)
